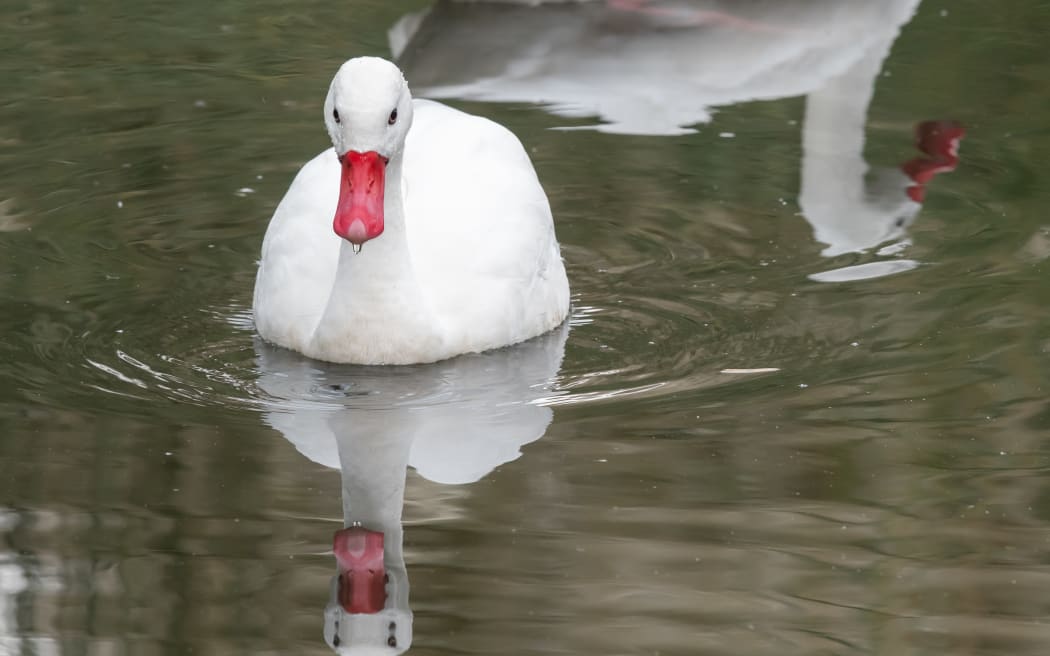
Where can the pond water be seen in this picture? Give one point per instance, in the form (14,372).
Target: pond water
(801,406)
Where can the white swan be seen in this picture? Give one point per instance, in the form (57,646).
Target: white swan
(461,254)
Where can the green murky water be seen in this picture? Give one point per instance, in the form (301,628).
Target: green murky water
(794,413)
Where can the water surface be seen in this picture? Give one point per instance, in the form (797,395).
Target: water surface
(795,412)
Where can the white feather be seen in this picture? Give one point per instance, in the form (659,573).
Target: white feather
(468,261)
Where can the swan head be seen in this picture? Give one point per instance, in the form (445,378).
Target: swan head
(368,112)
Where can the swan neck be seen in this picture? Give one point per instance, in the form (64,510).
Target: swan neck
(379,272)
(376,311)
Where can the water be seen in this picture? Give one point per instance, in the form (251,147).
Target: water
(779,423)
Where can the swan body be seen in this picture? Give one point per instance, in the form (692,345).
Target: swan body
(448,245)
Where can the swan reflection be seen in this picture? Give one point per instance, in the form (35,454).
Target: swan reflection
(453,422)
(660,67)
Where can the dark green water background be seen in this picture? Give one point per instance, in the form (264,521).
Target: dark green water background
(885,492)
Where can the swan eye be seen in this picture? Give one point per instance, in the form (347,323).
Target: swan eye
(393,117)
(335,115)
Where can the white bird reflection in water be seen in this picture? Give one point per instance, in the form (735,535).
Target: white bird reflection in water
(453,422)
(660,67)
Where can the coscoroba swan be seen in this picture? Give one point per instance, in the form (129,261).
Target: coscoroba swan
(444,242)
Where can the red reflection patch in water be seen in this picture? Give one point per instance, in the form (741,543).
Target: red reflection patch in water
(940,140)
(362,573)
